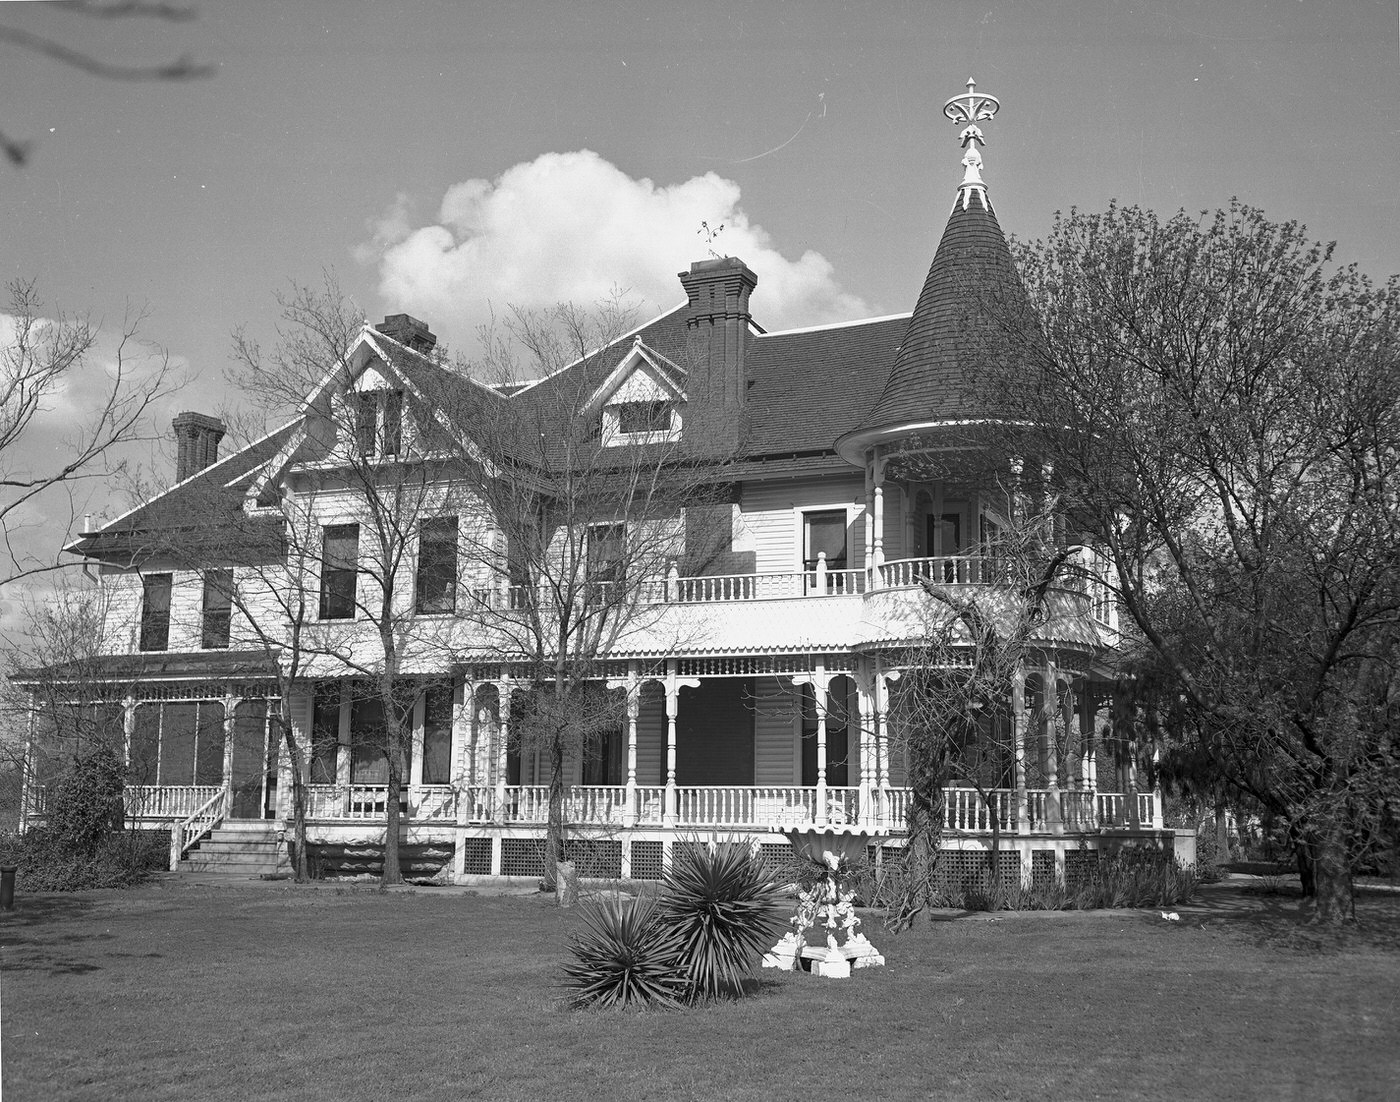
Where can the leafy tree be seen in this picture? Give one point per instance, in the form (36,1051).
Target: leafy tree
(1220,405)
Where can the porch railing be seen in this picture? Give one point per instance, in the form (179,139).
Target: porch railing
(193,828)
(430,803)
(150,801)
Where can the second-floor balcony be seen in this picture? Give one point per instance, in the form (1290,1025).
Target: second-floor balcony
(1077,580)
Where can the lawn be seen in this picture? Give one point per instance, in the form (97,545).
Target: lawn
(280,992)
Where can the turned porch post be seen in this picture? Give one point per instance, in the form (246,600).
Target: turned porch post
(869,524)
(1054,814)
(674,684)
(1018,740)
(632,686)
(819,681)
(877,548)
(883,680)
(502,743)
(865,731)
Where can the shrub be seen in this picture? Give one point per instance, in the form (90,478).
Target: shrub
(46,863)
(624,958)
(724,910)
(86,805)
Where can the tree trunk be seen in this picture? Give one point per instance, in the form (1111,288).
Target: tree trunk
(554,832)
(1222,831)
(393,874)
(1331,877)
(299,861)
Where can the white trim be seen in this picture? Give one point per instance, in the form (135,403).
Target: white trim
(837,325)
(589,355)
(203,471)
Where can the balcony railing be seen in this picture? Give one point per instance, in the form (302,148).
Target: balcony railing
(819,582)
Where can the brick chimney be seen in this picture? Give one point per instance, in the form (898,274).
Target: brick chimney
(717,331)
(409,332)
(197,437)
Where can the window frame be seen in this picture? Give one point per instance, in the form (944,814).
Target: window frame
(435,580)
(339,583)
(155,621)
(216,617)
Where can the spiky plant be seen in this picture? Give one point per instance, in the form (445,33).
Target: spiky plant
(625,958)
(722,907)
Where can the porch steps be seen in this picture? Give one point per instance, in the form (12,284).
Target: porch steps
(239,849)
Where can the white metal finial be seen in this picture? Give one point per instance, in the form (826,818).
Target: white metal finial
(971,108)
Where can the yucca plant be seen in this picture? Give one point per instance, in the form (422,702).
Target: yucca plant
(625,958)
(723,909)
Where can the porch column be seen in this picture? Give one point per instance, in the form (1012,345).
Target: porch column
(502,746)
(1018,740)
(883,680)
(674,684)
(632,687)
(819,681)
(865,732)
(1157,821)
(1124,733)
(877,549)
(869,522)
(1054,813)
(463,771)
(415,745)
(230,702)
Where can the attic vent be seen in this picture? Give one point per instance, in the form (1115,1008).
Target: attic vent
(409,332)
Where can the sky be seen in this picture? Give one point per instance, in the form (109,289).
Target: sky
(447,159)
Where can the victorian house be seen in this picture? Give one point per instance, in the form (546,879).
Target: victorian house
(757,688)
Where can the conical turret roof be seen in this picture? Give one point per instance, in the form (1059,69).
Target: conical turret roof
(970,300)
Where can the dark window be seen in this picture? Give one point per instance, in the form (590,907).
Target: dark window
(437,735)
(340,557)
(393,421)
(155,611)
(825,532)
(366,414)
(837,742)
(370,744)
(178,743)
(436,586)
(218,609)
(644,416)
(325,732)
(378,421)
(607,564)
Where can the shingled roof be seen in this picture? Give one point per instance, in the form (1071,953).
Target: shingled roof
(957,325)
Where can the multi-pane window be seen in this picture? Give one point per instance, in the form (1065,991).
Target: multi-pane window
(218,609)
(435,587)
(378,421)
(437,735)
(607,559)
(325,732)
(642,417)
(178,743)
(340,555)
(155,611)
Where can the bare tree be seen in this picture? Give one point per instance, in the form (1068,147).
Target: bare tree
(45,361)
(183,68)
(351,490)
(957,711)
(1221,406)
(582,521)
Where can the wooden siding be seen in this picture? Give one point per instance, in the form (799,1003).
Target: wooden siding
(771,529)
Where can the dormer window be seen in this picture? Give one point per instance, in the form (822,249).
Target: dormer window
(378,422)
(645,417)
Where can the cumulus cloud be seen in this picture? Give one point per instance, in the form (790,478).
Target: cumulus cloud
(572,227)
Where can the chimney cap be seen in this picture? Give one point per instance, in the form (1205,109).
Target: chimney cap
(409,331)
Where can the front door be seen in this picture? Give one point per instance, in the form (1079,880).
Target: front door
(254,771)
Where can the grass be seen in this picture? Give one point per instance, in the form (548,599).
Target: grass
(280,992)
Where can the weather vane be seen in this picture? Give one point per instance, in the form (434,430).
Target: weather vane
(971,107)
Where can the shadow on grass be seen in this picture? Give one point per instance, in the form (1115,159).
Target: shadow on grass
(1284,920)
(37,938)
